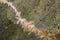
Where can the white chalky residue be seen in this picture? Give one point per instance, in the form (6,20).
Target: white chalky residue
(27,25)
(19,19)
(14,8)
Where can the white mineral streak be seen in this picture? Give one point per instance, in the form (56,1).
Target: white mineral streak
(21,20)
(18,17)
(29,26)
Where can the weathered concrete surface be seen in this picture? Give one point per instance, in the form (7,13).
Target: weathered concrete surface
(45,13)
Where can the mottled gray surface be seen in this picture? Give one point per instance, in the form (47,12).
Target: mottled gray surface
(45,13)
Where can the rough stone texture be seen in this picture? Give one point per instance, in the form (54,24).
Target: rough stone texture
(45,13)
